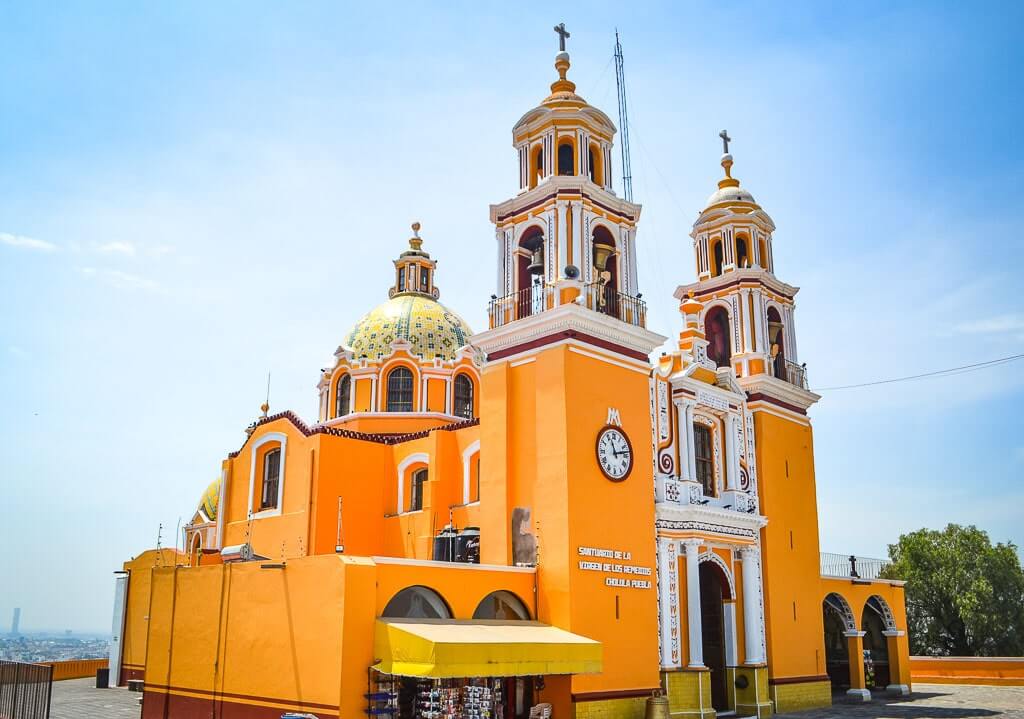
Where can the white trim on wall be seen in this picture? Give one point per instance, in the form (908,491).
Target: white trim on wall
(467,472)
(417,458)
(266,439)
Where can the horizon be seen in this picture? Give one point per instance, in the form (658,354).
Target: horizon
(196,196)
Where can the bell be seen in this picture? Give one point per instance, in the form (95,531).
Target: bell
(657,706)
(536,266)
(601,255)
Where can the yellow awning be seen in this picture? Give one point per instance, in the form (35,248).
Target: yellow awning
(450,648)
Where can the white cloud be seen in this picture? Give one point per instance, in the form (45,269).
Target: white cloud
(27,243)
(121,280)
(992,325)
(118,248)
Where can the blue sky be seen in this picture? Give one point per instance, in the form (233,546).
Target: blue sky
(194,194)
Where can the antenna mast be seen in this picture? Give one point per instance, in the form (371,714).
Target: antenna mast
(620,84)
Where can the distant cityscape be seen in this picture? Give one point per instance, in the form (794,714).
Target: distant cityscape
(50,646)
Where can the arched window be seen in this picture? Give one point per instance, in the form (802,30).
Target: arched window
(565,159)
(716,269)
(463,396)
(704,456)
(716,330)
(501,605)
(401,279)
(417,603)
(776,343)
(343,396)
(538,167)
(764,254)
(419,478)
(400,390)
(271,479)
(594,158)
(742,254)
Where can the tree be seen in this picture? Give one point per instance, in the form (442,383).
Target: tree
(964,596)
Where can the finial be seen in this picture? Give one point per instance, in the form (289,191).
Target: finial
(415,242)
(729,180)
(264,408)
(562,35)
(725,141)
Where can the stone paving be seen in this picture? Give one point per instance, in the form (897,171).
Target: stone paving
(79,699)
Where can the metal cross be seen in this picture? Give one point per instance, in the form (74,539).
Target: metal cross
(725,141)
(562,34)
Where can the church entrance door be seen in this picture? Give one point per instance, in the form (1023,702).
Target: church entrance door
(713,632)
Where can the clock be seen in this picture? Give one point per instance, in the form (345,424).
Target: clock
(614,453)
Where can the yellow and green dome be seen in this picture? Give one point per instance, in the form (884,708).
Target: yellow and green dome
(432,329)
(211,497)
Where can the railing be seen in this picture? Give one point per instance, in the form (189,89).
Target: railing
(539,297)
(25,690)
(527,301)
(606,300)
(851,566)
(795,374)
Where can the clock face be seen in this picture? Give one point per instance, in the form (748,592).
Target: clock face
(614,453)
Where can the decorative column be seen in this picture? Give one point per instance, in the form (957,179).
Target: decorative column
(855,652)
(729,623)
(687,460)
(562,208)
(753,610)
(746,319)
(899,672)
(576,240)
(693,620)
(668,602)
(732,464)
(759,343)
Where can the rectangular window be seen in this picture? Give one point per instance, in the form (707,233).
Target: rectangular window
(705,459)
(424,277)
(401,279)
(416,495)
(271,479)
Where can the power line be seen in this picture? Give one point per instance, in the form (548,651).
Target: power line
(963,369)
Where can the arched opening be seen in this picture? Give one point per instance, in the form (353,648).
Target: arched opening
(566,159)
(776,343)
(594,157)
(718,334)
(343,396)
(417,602)
(463,396)
(530,273)
(763,247)
(742,253)
(874,621)
(195,550)
(537,167)
(400,392)
(269,488)
(501,605)
(838,620)
(717,258)
(606,271)
(714,590)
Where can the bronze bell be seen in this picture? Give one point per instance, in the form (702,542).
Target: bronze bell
(601,255)
(536,266)
(657,706)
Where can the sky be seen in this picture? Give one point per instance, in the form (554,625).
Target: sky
(195,194)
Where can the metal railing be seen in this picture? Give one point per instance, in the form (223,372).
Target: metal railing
(539,297)
(851,566)
(527,301)
(795,374)
(25,690)
(606,300)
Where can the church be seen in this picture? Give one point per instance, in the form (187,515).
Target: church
(534,519)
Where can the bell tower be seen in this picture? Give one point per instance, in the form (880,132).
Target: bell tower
(746,327)
(566,470)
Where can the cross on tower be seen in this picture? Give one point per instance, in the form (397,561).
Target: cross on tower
(562,34)
(725,141)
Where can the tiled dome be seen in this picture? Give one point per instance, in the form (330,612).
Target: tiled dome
(210,500)
(431,328)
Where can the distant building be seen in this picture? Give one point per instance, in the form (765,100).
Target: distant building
(15,621)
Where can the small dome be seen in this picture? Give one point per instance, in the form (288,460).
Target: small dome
(729,194)
(432,329)
(211,498)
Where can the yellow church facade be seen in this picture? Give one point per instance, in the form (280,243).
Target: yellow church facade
(535,519)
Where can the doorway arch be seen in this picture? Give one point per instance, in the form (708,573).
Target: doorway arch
(715,591)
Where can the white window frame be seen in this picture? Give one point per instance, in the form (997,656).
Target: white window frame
(418,458)
(267,439)
(467,471)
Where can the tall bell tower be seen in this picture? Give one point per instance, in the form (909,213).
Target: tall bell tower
(566,454)
(747,321)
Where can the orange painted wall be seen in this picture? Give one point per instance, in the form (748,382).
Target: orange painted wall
(136,626)
(990,671)
(789,547)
